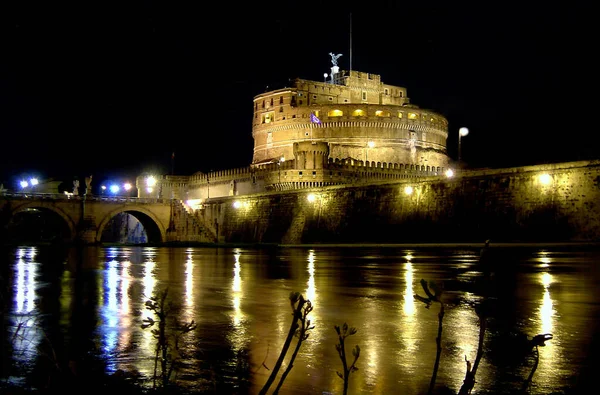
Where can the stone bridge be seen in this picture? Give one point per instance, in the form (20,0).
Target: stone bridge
(87,217)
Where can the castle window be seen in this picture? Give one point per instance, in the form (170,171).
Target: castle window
(317,112)
(381,113)
(358,113)
(399,114)
(330,98)
(314,96)
(300,94)
(271,101)
(255,106)
(300,102)
(263,104)
(386,91)
(281,109)
(345,100)
(364,95)
(267,117)
(280,99)
(335,113)
(401,94)
(412,115)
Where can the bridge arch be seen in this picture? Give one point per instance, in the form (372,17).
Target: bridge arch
(47,207)
(155,229)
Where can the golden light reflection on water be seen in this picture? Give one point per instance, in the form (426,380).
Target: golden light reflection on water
(238,337)
(311,289)
(408,332)
(549,357)
(188,311)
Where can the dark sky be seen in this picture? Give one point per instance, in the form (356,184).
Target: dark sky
(113,88)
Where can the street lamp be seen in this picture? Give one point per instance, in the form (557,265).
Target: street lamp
(462,132)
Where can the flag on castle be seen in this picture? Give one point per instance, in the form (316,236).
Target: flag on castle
(314,119)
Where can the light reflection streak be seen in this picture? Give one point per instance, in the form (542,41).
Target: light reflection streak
(148,284)
(109,312)
(125,306)
(189,277)
(237,337)
(311,290)
(408,331)
(546,309)
(549,357)
(27,332)
(26,283)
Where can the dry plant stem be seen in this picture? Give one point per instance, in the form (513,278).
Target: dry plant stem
(437,297)
(469,381)
(438,342)
(302,335)
(344,332)
(296,316)
(527,382)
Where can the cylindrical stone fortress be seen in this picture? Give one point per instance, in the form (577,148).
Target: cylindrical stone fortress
(360,118)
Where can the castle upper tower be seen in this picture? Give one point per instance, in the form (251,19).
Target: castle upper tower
(360,118)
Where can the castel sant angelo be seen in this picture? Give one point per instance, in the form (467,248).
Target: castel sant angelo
(351,128)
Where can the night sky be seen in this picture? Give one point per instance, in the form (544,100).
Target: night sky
(112,89)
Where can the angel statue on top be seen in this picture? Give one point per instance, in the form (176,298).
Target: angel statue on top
(334,58)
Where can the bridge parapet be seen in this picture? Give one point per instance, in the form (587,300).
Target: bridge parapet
(93,198)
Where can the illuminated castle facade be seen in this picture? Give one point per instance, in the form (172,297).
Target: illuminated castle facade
(347,130)
(361,119)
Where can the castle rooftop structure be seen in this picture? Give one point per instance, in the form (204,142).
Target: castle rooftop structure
(361,119)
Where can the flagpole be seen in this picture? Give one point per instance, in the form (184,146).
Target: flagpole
(350,41)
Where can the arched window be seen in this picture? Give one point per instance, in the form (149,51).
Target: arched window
(335,113)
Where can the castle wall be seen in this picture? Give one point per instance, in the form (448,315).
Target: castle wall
(502,204)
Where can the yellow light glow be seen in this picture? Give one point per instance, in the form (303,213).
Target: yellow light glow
(237,204)
(150,181)
(312,197)
(149,190)
(545,179)
(412,115)
(449,173)
(358,113)
(408,190)
(194,204)
(371,144)
(335,113)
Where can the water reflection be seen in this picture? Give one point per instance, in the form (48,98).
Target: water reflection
(25,332)
(238,336)
(407,333)
(239,298)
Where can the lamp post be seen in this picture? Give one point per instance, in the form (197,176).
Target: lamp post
(462,132)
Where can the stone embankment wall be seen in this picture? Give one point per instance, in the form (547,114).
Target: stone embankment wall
(544,203)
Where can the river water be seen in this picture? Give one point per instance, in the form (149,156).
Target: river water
(74,306)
